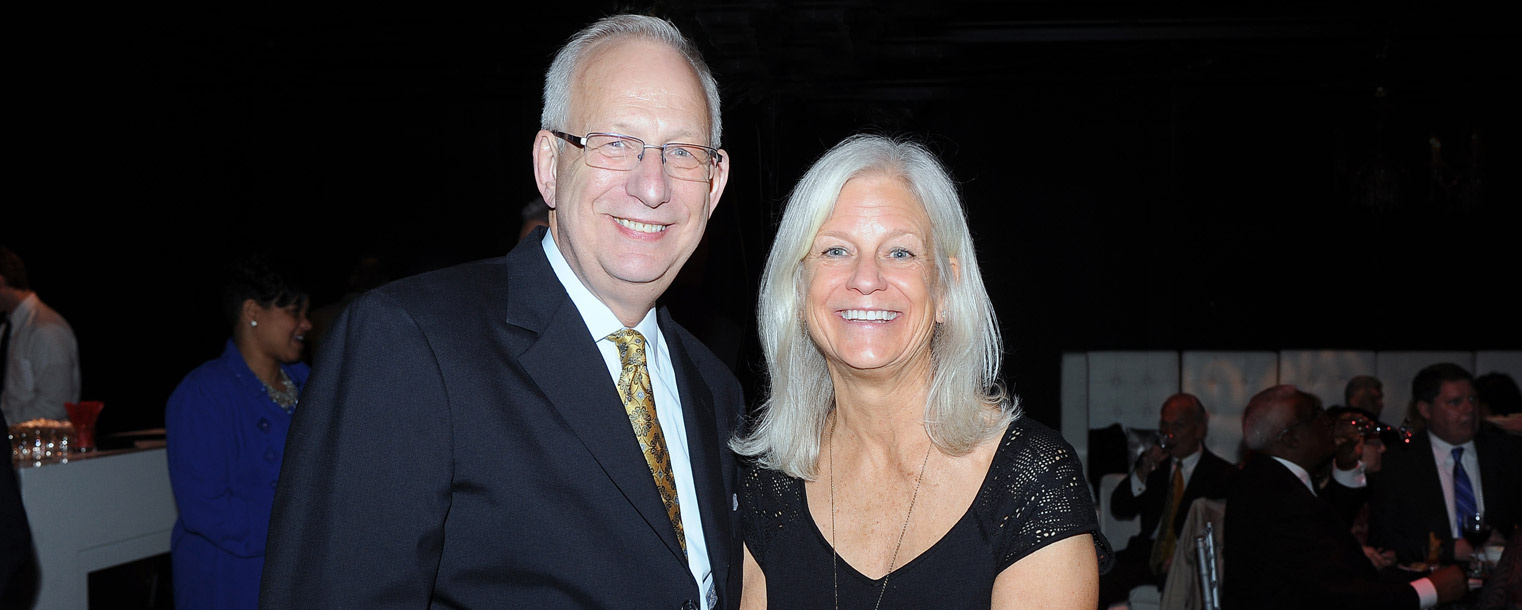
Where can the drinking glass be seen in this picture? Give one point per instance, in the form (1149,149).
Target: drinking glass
(1476,530)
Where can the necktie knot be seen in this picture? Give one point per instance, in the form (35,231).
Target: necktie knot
(1458,453)
(631,346)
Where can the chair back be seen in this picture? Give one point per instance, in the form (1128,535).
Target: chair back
(1209,574)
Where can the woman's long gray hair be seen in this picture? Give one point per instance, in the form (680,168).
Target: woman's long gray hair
(967,404)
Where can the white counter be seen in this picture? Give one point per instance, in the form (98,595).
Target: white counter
(94,513)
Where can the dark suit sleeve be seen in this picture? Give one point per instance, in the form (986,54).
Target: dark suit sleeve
(365,485)
(1124,504)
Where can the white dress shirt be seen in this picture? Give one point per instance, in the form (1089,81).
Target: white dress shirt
(601,322)
(1442,455)
(42,364)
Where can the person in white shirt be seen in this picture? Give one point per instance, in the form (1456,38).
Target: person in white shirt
(40,357)
(1416,497)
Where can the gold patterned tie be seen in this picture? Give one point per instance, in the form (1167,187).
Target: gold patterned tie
(639,404)
(1162,549)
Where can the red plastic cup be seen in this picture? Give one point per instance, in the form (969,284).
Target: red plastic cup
(83,414)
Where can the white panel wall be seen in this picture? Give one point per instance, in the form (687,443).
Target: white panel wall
(1130,387)
(1224,381)
(1324,372)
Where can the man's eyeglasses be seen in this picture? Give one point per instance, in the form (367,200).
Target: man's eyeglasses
(617,152)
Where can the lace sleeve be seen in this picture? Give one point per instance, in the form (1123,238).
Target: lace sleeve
(1036,495)
(769,500)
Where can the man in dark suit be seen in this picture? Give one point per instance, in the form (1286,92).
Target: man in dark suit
(1419,493)
(1287,544)
(1165,481)
(494,435)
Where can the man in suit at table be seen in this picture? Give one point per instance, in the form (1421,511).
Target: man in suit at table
(1165,481)
(1287,544)
(493,435)
(1458,464)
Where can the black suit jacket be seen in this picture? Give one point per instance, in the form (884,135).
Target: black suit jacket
(461,445)
(1285,547)
(1212,479)
(1407,501)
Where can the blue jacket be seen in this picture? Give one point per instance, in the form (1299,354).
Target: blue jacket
(225,439)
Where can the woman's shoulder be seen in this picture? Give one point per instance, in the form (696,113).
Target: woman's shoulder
(770,500)
(1035,492)
(1028,443)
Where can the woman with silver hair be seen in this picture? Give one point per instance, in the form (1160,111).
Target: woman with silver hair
(888,465)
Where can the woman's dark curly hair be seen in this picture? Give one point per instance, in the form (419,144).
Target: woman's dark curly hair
(259,277)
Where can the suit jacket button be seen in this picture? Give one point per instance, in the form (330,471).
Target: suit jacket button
(689,605)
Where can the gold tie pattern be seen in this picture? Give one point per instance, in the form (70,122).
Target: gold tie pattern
(1162,549)
(639,403)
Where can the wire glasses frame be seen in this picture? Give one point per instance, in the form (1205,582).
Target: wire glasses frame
(618,152)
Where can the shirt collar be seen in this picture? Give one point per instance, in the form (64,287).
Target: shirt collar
(22,309)
(1442,448)
(1299,473)
(598,317)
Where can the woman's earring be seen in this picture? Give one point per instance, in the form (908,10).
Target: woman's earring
(253,322)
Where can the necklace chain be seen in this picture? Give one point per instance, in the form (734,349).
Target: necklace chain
(835,542)
(286,395)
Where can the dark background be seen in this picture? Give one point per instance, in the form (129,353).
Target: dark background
(1138,175)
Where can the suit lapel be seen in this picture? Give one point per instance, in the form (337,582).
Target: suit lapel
(564,363)
(1429,487)
(704,437)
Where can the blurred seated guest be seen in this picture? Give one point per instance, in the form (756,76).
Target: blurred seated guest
(226,426)
(1456,466)
(1500,401)
(1353,425)
(1165,481)
(39,359)
(1365,392)
(1287,544)
(890,466)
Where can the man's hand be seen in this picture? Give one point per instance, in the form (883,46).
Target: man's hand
(1450,582)
(1380,558)
(1462,549)
(1149,460)
(1349,450)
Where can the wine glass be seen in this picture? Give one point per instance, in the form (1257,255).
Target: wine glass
(1476,530)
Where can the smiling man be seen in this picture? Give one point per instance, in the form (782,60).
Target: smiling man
(532,431)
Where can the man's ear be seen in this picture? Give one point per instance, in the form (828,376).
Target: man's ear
(718,181)
(1424,408)
(546,165)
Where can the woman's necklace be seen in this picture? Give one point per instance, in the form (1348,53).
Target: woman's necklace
(835,542)
(286,395)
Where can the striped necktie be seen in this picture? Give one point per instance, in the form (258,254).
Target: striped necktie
(639,403)
(1463,489)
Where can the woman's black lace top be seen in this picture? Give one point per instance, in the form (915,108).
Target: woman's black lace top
(1034,494)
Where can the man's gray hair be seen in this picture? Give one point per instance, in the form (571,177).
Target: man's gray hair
(559,81)
(1269,413)
(967,404)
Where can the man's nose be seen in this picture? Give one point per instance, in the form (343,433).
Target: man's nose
(648,181)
